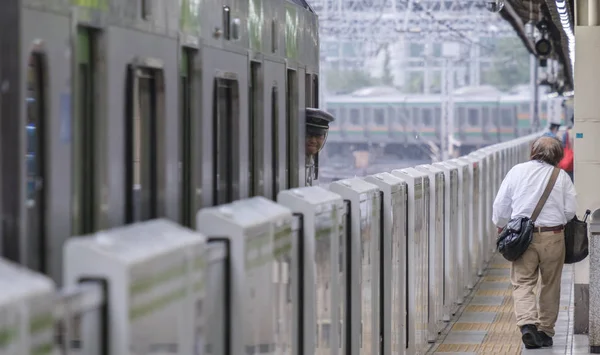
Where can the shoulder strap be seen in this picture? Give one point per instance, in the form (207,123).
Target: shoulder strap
(542,201)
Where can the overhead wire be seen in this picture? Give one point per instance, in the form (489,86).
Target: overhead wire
(424,14)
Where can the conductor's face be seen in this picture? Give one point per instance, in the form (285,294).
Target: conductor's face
(314,143)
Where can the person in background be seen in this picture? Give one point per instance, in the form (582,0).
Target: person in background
(517,197)
(552,130)
(567,140)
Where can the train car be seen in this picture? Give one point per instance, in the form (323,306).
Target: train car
(118,111)
(114,112)
(403,122)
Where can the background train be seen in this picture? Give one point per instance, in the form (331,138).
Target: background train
(400,125)
(117,111)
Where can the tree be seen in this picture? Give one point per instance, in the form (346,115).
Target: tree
(345,81)
(512,66)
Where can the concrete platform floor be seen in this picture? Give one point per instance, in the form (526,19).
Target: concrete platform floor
(485,324)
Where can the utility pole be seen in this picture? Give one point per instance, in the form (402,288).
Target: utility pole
(445,111)
(449,51)
(534,104)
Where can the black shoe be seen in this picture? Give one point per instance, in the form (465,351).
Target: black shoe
(546,339)
(531,337)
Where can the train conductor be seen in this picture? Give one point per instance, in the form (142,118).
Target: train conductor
(317,127)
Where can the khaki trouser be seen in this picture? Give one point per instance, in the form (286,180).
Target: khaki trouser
(545,258)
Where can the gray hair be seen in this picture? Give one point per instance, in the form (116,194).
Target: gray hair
(548,150)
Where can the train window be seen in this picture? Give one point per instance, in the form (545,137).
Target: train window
(379,116)
(427,118)
(342,114)
(473,116)
(187,162)
(225,125)
(307,91)
(404,116)
(460,112)
(226,22)
(34,161)
(275,139)
(415,114)
(256,135)
(315,91)
(506,117)
(524,107)
(355,116)
(485,115)
(291,106)
(84,160)
(144,133)
(437,117)
(391,113)
(494,114)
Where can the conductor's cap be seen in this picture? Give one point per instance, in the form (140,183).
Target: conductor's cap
(317,122)
(318,118)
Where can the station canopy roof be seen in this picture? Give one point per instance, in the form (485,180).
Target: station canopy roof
(559,16)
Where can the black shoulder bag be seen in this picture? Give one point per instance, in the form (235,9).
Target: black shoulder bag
(576,240)
(515,238)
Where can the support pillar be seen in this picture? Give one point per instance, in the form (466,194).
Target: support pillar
(587,168)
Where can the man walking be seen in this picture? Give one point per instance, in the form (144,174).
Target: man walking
(517,197)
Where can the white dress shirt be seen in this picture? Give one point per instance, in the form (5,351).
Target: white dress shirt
(521,190)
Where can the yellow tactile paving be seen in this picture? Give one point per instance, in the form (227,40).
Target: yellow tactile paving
(506,292)
(502,337)
(461,327)
(500,266)
(457,348)
(493,278)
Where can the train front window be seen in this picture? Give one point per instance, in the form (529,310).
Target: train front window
(143,146)
(225,142)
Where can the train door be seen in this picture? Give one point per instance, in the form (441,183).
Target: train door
(275,127)
(35,119)
(84,137)
(226,141)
